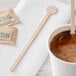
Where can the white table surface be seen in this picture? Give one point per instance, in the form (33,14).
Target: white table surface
(45,69)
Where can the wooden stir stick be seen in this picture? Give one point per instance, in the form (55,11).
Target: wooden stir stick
(50,10)
(72,16)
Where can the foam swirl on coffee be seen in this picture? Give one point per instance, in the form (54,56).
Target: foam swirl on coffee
(63,46)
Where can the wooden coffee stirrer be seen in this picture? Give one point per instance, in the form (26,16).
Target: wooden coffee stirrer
(63,38)
(73,17)
(50,10)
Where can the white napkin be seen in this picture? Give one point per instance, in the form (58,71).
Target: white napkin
(30,14)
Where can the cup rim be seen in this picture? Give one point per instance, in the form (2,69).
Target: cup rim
(63,61)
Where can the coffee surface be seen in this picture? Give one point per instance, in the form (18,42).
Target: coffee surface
(63,46)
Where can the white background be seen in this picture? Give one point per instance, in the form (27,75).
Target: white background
(4,4)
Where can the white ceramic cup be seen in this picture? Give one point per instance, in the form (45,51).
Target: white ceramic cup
(60,67)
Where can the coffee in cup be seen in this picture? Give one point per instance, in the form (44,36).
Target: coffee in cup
(63,46)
